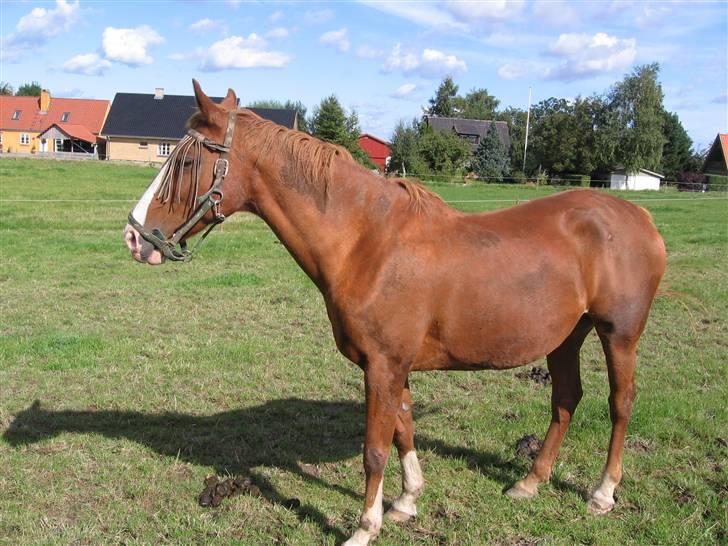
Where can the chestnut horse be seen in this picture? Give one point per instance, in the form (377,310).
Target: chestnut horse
(411,284)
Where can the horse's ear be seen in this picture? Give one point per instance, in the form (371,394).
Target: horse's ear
(230,101)
(209,109)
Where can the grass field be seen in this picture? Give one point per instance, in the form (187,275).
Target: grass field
(122,386)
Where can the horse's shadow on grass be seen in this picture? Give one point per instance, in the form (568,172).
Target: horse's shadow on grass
(284,433)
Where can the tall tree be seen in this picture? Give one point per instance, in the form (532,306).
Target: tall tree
(29,90)
(677,153)
(443,104)
(6,89)
(516,120)
(405,148)
(637,104)
(329,122)
(476,104)
(491,161)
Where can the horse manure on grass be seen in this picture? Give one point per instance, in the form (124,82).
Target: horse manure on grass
(528,446)
(215,490)
(537,374)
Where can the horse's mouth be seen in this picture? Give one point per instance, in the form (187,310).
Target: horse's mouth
(142,251)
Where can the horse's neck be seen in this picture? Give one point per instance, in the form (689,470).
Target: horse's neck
(320,231)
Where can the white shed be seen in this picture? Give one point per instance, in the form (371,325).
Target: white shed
(641,179)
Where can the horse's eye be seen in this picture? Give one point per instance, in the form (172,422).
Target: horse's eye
(187,163)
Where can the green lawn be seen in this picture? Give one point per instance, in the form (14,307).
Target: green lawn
(122,386)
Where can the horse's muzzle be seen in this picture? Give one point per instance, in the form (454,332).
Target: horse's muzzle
(141,250)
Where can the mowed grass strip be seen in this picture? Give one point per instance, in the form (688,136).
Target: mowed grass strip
(122,386)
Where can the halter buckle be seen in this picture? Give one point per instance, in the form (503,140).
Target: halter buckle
(221,167)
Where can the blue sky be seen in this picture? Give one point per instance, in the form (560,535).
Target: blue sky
(385,59)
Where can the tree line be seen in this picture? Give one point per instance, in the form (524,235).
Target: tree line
(580,139)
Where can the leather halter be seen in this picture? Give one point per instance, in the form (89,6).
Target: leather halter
(208,200)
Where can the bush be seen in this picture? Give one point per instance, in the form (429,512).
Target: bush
(690,181)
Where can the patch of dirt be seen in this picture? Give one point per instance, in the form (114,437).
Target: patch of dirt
(181,471)
(518,541)
(537,374)
(640,445)
(528,446)
(310,469)
(510,416)
(721,442)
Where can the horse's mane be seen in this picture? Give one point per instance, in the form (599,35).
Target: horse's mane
(311,160)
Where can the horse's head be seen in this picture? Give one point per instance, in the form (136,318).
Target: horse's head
(187,194)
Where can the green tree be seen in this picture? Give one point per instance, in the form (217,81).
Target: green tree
(477,104)
(553,139)
(405,144)
(443,103)
(29,90)
(297,105)
(6,89)
(491,161)
(443,152)
(329,122)
(677,153)
(516,120)
(636,102)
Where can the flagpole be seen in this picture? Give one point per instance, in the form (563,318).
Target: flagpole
(528,119)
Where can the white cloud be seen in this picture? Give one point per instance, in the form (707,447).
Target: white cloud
(129,45)
(89,64)
(431,63)
(275,16)
(234,3)
(278,32)
(585,56)
(519,69)
(485,10)
(368,52)
(336,38)
(403,91)
(556,13)
(206,25)
(421,13)
(318,17)
(237,52)
(37,27)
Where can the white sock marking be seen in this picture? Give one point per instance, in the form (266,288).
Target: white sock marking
(412,484)
(373,519)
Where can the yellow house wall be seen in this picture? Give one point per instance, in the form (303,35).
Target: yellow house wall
(11,142)
(128,149)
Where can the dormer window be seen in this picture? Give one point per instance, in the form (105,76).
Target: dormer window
(65,116)
(16,114)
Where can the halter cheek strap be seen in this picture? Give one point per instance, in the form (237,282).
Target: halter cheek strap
(208,200)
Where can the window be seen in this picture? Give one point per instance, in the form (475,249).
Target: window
(59,145)
(24,138)
(163,148)
(143,145)
(16,114)
(65,116)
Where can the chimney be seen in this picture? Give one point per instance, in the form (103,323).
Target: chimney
(45,100)
(158,93)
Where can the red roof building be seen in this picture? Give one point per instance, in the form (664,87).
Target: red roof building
(377,149)
(31,124)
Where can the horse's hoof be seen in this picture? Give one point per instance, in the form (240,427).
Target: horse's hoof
(518,491)
(397,516)
(599,505)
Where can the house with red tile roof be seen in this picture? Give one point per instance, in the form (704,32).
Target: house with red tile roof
(48,125)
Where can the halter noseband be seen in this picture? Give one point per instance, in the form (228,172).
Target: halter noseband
(211,199)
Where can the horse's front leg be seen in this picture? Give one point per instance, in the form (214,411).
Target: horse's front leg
(383,398)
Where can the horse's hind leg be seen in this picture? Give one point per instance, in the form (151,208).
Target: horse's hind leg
(621,353)
(563,364)
(404,507)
